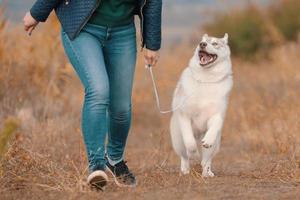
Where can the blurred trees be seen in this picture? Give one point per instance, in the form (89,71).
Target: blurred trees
(254,31)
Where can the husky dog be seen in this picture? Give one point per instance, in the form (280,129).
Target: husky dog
(203,91)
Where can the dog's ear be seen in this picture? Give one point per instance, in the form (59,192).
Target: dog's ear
(225,38)
(205,36)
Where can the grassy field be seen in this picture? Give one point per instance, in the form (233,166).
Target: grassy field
(44,156)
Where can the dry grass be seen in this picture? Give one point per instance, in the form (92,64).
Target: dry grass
(10,125)
(259,157)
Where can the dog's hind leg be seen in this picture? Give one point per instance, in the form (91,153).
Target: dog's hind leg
(178,145)
(207,156)
(188,137)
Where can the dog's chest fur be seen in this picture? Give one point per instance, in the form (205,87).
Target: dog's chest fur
(203,100)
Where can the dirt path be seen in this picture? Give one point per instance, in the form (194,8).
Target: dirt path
(239,175)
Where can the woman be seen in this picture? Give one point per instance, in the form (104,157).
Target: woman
(99,38)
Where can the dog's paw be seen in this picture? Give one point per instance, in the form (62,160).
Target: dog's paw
(207,142)
(185,166)
(206,169)
(206,145)
(207,174)
(185,171)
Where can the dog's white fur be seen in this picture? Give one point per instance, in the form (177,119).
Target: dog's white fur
(205,90)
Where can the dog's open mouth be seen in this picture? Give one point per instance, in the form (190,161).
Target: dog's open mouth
(206,58)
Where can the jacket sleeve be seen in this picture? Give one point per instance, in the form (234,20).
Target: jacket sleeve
(41,9)
(152,24)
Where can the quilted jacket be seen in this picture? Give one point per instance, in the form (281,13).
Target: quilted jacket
(74,14)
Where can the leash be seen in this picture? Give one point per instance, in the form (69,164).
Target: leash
(149,67)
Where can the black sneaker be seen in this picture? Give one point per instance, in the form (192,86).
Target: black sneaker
(122,176)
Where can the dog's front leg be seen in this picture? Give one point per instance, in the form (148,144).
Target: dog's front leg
(214,125)
(211,143)
(188,137)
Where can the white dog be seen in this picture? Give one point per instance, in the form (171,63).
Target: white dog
(202,92)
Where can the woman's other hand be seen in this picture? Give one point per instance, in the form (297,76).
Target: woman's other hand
(151,57)
(29,23)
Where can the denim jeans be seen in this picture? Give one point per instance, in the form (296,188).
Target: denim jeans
(104,59)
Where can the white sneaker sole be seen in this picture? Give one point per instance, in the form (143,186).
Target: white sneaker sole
(98,179)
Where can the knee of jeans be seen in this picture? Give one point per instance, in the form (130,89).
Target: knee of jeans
(97,95)
(120,112)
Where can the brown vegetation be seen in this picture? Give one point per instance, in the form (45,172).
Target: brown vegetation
(255,30)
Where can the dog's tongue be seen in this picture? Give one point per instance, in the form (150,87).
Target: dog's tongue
(204,58)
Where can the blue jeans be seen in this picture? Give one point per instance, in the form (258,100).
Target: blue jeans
(104,58)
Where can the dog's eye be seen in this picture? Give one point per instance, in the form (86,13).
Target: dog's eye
(215,44)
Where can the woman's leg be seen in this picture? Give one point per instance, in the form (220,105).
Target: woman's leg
(120,58)
(86,56)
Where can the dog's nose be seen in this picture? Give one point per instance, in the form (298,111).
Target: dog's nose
(203,45)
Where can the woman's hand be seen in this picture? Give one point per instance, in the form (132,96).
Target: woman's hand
(29,23)
(151,57)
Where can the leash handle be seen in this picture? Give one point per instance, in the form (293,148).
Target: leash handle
(149,67)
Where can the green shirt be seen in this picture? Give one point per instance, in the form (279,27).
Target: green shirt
(114,13)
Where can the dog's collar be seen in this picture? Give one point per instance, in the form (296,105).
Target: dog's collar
(211,82)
